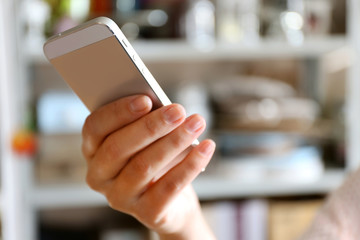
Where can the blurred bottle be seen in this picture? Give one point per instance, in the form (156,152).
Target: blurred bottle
(194,96)
(238,21)
(35,13)
(149,18)
(317,17)
(126,7)
(292,22)
(200,24)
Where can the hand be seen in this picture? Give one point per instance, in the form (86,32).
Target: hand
(127,148)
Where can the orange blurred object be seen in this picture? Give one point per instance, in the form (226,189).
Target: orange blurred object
(101,7)
(24,142)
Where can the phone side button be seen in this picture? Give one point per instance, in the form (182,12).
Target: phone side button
(123,41)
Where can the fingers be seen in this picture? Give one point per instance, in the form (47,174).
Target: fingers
(123,144)
(145,166)
(161,193)
(111,117)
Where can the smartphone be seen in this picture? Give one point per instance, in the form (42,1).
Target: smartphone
(100,65)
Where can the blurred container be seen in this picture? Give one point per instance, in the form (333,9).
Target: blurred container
(261,104)
(60,112)
(317,17)
(150,19)
(238,21)
(231,144)
(200,24)
(59,159)
(301,165)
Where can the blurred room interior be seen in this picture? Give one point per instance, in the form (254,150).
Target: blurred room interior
(276,80)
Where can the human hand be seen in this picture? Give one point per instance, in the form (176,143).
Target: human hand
(127,147)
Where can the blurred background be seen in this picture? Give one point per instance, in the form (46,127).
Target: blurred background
(276,80)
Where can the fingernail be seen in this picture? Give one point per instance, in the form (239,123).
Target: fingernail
(140,103)
(173,114)
(194,124)
(207,148)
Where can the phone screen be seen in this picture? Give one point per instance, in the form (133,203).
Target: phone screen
(102,72)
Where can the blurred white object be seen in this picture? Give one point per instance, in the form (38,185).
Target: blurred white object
(238,21)
(301,165)
(231,220)
(122,234)
(262,102)
(195,99)
(60,112)
(276,110)
(200,24)
(79,10)
(35,13)
(125,6)
(250,86)
(157,18)
(292,24)
(254,219)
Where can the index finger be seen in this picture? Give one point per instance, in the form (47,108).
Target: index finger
(110,118)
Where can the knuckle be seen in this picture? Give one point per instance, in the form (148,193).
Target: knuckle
(149,215)
(88,146)
(141,167)
(85,150)
(97,175)
(177,141)
(116,201)
(88,149)
(91,181)
(171,187)
(112,199)
(151,127)
(111,148)
(193,166)
(88,127)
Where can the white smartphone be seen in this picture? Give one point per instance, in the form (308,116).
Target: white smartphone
(99,64)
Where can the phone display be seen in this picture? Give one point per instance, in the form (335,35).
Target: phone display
(99,64)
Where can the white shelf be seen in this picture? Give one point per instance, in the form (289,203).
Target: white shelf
(211,188)
(181,51)
(208,188)
(62,196)
(172,50)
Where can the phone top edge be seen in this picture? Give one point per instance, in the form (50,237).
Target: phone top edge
(80,36)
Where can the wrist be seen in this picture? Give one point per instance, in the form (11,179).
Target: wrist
(194,229)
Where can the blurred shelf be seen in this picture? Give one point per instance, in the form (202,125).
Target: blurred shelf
(63,196)
(180,51)
(207,187)
(177,50)
(211,188)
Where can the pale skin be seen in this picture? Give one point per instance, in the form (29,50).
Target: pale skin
(127,147)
